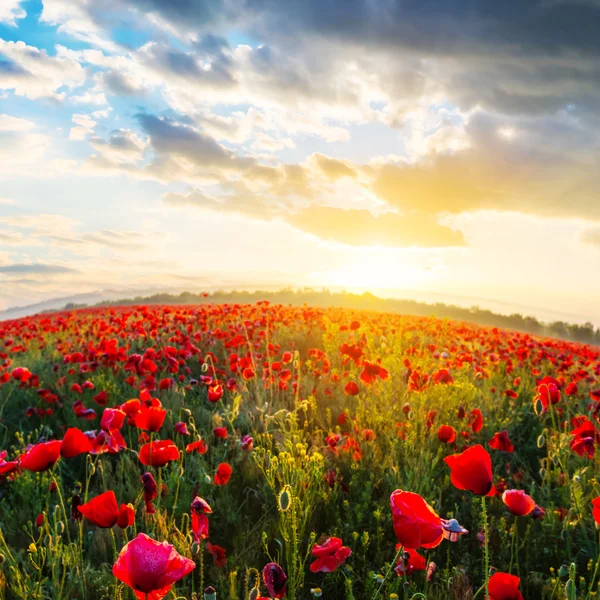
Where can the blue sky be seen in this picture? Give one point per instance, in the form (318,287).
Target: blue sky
(365,146)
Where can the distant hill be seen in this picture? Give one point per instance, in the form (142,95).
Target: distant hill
(585,333)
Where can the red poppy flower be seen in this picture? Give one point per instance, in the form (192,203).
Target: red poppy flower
(371,371)
(102,511)
(74,443)
(472,470)
(219,555)
(159,453)
(518,502)
(131,407)
(112,418)
(41,457)
(215,393)
(443,376)
(150,568)
(571,389)
(199,446)
(503,586)
(181,428)
(351,388)
(21,374)
(501,441)
(596,509)
(101,398)
(409,562)
(431,415)
(7,467)
(150,492)
(275,580)
(476,420)
(126,516)
(330,555)
(548,392)
(220,432)
(223,474)
(199,526)
(150,418)
(416,524)
(446,434)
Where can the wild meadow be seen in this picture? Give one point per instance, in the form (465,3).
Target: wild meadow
(246,451)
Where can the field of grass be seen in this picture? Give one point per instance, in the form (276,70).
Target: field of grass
(260,451)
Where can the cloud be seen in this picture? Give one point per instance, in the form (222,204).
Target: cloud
(10,123)
(35,269)
(591,236)
(33,73)
(83,127)
(350,227)
(332,168)
(122,146)
(186,144)
(78,19)
(244,204)
(361,228)
(11,11)
(530,172)
(513,57)
(20,146)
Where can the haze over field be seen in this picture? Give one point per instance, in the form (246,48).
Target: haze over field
(384,146)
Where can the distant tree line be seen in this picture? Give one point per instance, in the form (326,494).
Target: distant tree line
(585,334)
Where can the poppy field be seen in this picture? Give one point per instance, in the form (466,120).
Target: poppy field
(254,451)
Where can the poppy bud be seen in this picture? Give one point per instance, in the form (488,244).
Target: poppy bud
(210,593)
(207,478)
(285,499)
(541,441)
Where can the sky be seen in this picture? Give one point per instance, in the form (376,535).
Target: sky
(410,148)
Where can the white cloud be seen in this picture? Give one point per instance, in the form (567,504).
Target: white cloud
(73,18)
(20,147)
(33,73)
(83,126)
(10,11)
(10,123)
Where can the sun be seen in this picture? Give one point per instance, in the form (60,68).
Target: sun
(375,272)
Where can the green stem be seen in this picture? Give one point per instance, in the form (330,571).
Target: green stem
(486,573)
(388,573)
(594,576)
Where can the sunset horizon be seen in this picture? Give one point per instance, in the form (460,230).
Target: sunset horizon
(383,147)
